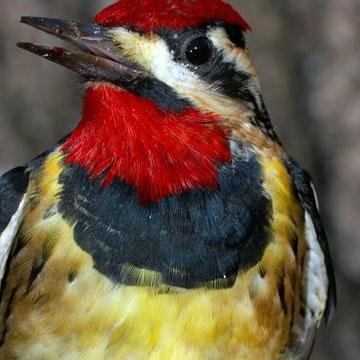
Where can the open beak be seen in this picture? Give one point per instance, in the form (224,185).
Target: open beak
(99,59)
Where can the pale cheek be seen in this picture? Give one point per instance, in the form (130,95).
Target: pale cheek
(154,55)
(173,74)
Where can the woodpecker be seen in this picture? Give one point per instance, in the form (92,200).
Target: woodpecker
(171,223)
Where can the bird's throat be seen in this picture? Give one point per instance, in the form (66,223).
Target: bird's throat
(122,136)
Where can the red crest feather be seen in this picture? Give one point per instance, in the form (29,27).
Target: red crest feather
(152,15)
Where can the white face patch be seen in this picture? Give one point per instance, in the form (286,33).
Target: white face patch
(151,52)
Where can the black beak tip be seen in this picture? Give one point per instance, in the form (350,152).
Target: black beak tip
(28,47)
(52,26)
(30,20)
(36,22)
(49,53)
(23,45)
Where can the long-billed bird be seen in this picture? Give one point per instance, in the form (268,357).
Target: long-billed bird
(171,223)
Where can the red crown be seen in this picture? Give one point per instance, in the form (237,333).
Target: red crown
(152,15)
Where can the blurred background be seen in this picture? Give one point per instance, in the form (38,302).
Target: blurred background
(308,57)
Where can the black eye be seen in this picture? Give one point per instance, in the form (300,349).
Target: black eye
(199,51)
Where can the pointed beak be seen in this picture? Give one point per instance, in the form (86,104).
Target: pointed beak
(99,59)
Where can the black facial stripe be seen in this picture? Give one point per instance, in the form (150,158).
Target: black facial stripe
(155,90)
(162,94)
(235,34)
(193,240)
(221,74)
(177,40)
(262,120)
(174,38)
(232,83)
(239,85)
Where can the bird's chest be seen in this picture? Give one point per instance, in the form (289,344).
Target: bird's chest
(201,238)
(95,278)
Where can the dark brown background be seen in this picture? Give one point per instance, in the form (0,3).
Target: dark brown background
(308,57)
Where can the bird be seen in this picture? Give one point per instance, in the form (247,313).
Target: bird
(170,223)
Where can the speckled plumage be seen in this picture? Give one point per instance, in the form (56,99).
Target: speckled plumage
(70,310)
(170,224)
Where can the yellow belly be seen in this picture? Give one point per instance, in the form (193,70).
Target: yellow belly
(91,319)
(70,311)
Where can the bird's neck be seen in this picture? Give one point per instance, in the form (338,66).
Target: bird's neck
(122,136)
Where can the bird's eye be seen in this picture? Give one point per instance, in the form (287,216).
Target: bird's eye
(199,51)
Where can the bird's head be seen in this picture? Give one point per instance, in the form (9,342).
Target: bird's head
(170,95)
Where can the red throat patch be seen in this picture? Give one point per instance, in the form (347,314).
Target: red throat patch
(152,15)
(159,153)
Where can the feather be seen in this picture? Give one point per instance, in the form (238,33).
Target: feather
(8,235)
